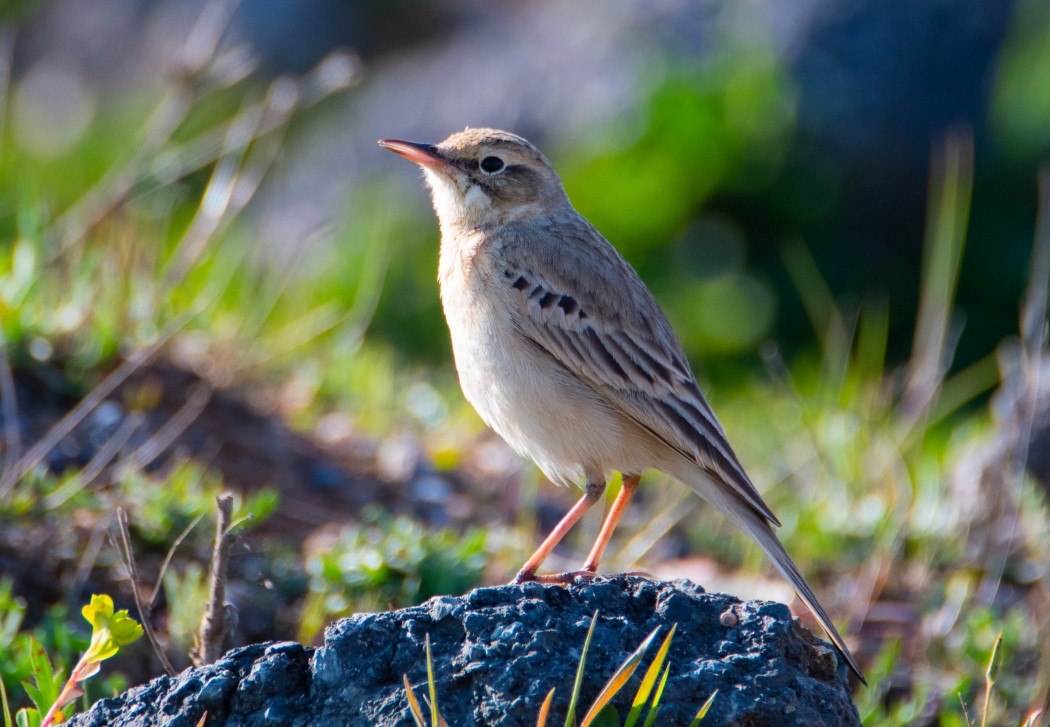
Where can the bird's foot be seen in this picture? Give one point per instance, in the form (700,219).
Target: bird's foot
(559,579)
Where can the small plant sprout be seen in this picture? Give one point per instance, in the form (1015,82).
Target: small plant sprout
(110,631)
(414,709)
(990,675)
(704,710)
(618,680)
(600,712)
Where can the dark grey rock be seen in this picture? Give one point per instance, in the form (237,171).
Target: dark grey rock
(498,651)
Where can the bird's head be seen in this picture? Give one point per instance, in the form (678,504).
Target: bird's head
(485,177)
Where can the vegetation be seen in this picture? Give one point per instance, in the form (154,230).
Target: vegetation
(599,713)
(898,471)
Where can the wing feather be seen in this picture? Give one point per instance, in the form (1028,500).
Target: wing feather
(632,359)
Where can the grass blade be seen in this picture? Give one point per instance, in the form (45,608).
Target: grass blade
(570,717)
(1031,721)
(990,675)
(618,679)
(413,705)
(541,721)
(4,705)
(965,712)
(435,718)
(649,680)
(654,710)
(704,710)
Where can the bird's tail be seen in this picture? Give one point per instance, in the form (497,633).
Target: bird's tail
(744,516)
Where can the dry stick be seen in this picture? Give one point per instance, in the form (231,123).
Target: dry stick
(169,114)
(9,402)
(200,395)
(218,198)
(138,459)
(241,167)
(105,454)
(210,145)
(127,557)
(167,560)
(87,559)
(88,404)
(212,629)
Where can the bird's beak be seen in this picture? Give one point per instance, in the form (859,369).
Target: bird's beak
(426,155)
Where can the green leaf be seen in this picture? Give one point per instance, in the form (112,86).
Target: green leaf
(649,680)
(435,718)
(28,718)
(618,679)
(608,717)
(650,719)
(4,704)
(704,710)
(413,704)
(46,682)
(545,709)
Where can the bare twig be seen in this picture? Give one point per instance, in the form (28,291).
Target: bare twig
(169,114)
(101,459)
(200,395)
(127,557)
(167,559)
(214,623)
(88,404)
(87,559)
(210,145)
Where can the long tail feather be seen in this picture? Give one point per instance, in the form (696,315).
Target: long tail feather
(748,519)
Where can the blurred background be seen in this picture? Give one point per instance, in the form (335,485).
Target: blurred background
(211,277)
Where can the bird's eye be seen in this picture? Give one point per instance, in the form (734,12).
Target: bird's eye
(491,165)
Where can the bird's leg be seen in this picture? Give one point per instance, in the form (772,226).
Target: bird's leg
(630,484)
(593,493)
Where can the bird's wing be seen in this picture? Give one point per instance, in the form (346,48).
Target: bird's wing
(610,333)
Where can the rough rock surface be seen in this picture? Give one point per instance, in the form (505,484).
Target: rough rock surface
(498,651)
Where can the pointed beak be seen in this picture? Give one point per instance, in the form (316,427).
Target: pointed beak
(426,155)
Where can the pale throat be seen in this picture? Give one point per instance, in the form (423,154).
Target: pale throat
(454,205)
(472,207)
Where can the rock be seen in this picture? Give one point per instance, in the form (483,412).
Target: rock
(499,651)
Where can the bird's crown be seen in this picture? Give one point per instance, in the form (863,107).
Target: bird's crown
(480,177)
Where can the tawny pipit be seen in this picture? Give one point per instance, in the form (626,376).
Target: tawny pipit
(565,353)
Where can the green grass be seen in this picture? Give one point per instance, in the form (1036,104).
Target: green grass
(601,713)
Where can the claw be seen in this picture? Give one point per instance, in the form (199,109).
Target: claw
(557,579)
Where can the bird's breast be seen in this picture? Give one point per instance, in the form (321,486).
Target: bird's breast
(520,391)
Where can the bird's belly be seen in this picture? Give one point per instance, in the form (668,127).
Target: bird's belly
(540,409)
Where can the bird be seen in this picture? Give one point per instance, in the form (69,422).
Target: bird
(565,353)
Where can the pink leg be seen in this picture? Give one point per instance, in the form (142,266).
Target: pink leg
(630,484)
(591,496)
